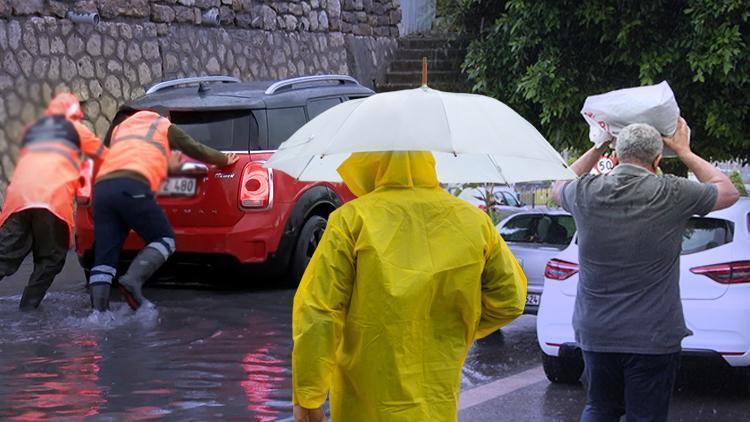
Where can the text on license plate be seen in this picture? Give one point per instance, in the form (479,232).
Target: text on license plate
(532,299)
(178,186)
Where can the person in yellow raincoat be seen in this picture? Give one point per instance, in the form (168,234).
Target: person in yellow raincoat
(405,278)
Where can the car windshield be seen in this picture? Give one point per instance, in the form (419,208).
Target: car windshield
(539,228)
(226,130)
(702,234)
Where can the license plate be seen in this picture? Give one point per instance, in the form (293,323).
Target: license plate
(178,186)
(533,299)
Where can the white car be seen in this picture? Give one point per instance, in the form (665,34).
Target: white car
(714,287)
(535,237)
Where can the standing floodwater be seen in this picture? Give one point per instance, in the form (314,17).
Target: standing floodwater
(201,354)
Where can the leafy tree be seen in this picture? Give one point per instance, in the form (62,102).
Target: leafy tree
(544,57)
(736,179)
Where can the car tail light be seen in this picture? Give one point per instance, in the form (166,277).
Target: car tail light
(729,273)
(256,186)
(559,270)
(83,194)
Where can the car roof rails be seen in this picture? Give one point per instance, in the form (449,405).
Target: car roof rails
(193,80)
(289,83)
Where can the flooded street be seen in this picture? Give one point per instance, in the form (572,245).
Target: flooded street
(225,355)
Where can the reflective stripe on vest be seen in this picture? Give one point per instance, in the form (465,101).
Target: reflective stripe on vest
(148,138)
(67,150)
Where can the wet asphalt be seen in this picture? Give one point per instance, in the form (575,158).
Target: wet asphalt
(215,354)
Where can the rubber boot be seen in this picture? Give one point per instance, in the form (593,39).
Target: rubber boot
(100,296)
(31,298)
(141,269)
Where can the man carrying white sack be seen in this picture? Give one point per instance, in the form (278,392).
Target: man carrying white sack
(628,316)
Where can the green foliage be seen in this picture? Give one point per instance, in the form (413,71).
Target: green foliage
(544,57)
(736,179)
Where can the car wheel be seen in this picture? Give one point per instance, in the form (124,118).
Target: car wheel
(307,242)
(565,370)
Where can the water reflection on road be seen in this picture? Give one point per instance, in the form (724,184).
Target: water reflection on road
(200,354)
(205,354)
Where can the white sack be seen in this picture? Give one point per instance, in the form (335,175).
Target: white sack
(608,113)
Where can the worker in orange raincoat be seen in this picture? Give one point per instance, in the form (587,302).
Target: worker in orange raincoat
(38,213)
(405,278)
(67,104)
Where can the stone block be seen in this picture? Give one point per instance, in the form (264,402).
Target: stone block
(162,29)
(100,64)
(134,52)
(132,8)
(160,13)
(290,23)
(323,21)
(186,2)
(362,29)
(245,20)
(86,67)
(14,34)
(394,32)
(114,66)
(10,64)
(395,16)
(5,11)
(109,46)
(348,17)
(346,27)
(95,88)
(26,61)
(269,18)
(28,7)
(382,31)
(314,23)
(94,45)
(226,15)
(184,14)
(58,8)
(144,74)
(41,65)
(150,50)
(361,17)
(54,69)
(295,8)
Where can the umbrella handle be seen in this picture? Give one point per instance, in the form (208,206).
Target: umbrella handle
(424,71)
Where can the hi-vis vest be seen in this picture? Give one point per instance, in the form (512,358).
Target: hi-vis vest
(139,144)
(48,171)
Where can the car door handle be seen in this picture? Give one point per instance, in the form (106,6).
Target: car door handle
(193,168)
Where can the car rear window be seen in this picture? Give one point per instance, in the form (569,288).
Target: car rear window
(702,234)
(539,228)
(282,123)
(226,130)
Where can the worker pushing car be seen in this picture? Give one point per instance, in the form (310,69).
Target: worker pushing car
(124,199)
(37,215)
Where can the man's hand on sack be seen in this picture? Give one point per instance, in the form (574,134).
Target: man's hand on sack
(680,141)
(231,158)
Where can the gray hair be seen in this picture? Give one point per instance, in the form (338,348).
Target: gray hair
(639,143)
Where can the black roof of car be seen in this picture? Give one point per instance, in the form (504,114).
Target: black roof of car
(209,93)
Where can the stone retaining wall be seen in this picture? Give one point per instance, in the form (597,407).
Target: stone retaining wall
(139,42)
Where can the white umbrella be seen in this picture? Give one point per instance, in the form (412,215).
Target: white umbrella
(473,138)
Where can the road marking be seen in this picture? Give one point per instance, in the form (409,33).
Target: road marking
(499,388)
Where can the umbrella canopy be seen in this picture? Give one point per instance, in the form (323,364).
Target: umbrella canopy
(473,138)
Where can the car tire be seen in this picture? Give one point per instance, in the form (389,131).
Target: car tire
(307,241)
(565,370)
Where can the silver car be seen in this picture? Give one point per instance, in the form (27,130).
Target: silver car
(535,237)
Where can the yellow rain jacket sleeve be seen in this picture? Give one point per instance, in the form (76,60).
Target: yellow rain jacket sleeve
(404,279)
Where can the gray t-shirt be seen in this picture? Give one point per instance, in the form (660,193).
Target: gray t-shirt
(630,225)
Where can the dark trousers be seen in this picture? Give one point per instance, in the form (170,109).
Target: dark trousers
(639,386)
(120,205)
(39,231)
